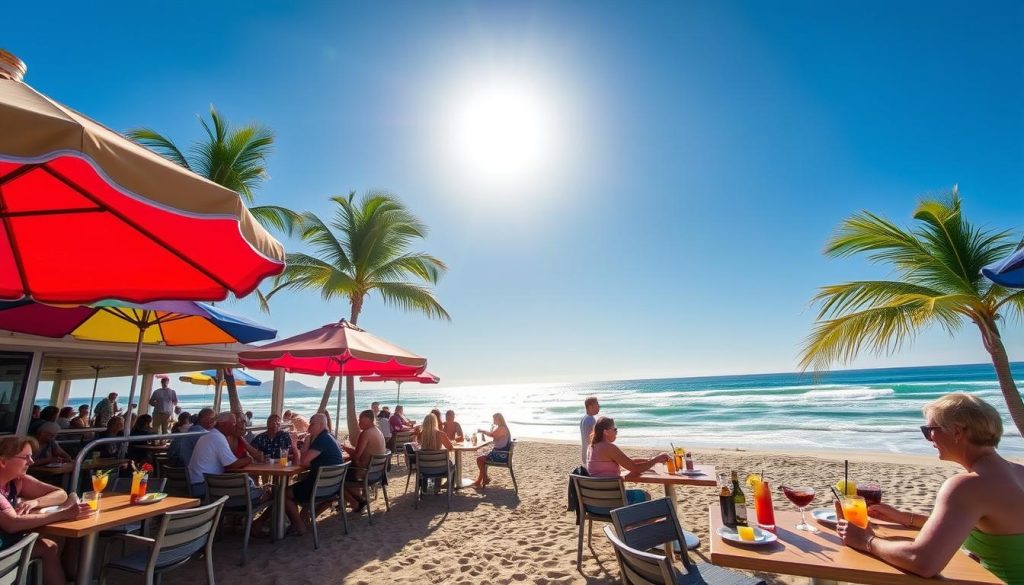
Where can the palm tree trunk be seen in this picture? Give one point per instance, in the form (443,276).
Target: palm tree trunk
(994,345)
(327,393)
(350,382)
(236,404)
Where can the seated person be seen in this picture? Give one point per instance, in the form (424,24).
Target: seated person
(82,420)
(115,428)
(384,425)
(972,510)
(143,427)
(320,449)
(276,442)
(400,424)
(213,455)
(64,417)
(239,441)
(369,443)
(181,449)
(298,422)
(499,450)
(605,459)
(433,438)
(184,423)
(451,428)
(48,414)
(48,451)
(21,496)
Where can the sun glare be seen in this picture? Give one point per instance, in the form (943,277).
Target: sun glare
(502,131)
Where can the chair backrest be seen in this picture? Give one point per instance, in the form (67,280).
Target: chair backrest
(598,492)
(14,561)
(432,462)
(177,480)
(186,532)
(233,485)
(159,461)
(649,525)
(402,437)
(123,485)
(639,567)
(329,480)
(377,468)
(508,449)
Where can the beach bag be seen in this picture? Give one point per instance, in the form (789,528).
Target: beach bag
(573,502)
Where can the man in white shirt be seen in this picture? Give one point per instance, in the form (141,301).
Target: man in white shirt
(212,454)
(587,425)
(163,401)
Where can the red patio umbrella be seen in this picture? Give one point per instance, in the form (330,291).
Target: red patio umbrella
(336,349)
(423,378)
(88,215)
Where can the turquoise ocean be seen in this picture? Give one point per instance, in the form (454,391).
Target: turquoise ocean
(865,410)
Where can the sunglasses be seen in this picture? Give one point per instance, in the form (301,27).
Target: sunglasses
(927,430)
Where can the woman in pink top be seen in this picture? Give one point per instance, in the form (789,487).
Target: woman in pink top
(605,459)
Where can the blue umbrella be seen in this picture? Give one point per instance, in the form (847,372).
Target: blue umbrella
(1008,272)
(209,378)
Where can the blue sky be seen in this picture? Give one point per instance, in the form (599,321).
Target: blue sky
(700,153)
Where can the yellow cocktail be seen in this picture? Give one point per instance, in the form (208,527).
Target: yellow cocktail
(99,482)
(855,509)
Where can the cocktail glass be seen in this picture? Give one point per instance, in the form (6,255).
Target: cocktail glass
(801,498)
(871,492)
(855,510)
(99,481)
(93,499)
(679,452)
(763,508)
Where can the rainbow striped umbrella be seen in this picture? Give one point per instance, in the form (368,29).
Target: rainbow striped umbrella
(210,378)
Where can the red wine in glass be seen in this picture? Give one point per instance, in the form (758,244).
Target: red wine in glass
(871,492)
(801,498)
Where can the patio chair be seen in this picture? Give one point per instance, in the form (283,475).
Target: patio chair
(182,536)
(650,525)
(401,439)
(177,481)
(376,475)
(14,562)
(433,465)
(160,460)
(239,503)
(410,459)
(506,464)
(328,486)
(596,497)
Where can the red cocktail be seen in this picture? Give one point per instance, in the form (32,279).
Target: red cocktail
(801,498)
(763,506)
(871,492)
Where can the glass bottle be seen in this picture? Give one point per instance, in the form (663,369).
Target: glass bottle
(739,500)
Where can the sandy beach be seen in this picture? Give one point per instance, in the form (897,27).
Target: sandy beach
(493,536)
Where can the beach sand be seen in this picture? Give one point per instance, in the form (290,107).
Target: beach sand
(493,536)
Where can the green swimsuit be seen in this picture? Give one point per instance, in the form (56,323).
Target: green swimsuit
(1003,554)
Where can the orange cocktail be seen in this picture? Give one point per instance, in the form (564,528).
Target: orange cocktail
(99,482)
(763,508)
(855,509)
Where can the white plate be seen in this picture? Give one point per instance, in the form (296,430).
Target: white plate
(826,516)
(690,472)
(152,498)
(48,510)
(761,537)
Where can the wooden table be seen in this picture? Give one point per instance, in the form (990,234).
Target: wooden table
(152,448)
(460,448)
(822,555)
(280,475)
(65,469)
(659,475)
(114,510)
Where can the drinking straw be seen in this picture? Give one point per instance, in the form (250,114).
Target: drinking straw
(835,493)
(846,475)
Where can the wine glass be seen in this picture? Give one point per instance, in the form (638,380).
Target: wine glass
(801,498)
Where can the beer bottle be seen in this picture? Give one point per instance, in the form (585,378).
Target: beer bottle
(739,501)
(726,502)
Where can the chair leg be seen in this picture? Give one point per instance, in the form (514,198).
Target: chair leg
(514,484)
(579,548)
(590,533)
(312,518)
(416,492)
(387,504)
(245,540)
(407,478)
(344,514)
(369,511)
(209,567)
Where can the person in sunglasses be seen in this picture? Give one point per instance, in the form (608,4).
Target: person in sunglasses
(978,510)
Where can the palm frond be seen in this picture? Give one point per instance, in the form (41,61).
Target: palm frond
(159,144)
(413,298)
(280,218)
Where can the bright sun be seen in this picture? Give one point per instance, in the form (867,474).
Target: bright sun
(502,131)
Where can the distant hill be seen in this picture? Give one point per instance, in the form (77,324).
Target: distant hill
(291,386)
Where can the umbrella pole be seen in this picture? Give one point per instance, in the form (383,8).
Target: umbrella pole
(135,378)
(398,399)
(92,401)
(337,408)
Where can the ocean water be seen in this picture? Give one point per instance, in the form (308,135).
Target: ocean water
(868,410)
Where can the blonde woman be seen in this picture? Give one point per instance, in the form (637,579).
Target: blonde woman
(499,451)
(973,510)
(432,438)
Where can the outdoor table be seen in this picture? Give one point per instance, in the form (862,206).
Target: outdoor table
(659,474)
(114,510)
(152,448)
(64,470)
(823,556)
(460,448)
(280,474)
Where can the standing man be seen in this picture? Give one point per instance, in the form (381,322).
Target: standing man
(163,401)
(587,425)
(105,409)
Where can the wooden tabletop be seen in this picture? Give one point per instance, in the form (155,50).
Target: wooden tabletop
(274,469)
(164,447)
(70,466)
(659,474)
(823,556)
(469,446)
(115,510)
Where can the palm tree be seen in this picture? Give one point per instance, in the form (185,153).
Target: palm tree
(365,249)
(232,158)
(938,282)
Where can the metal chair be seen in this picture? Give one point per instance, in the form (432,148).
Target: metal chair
(410,459)
(239,503)
(182,536)
(433,465)
(14,562)
(328,486)
(650,525)
(177,481)
(401,439)
(506,464)
(596,497)
(376,474)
